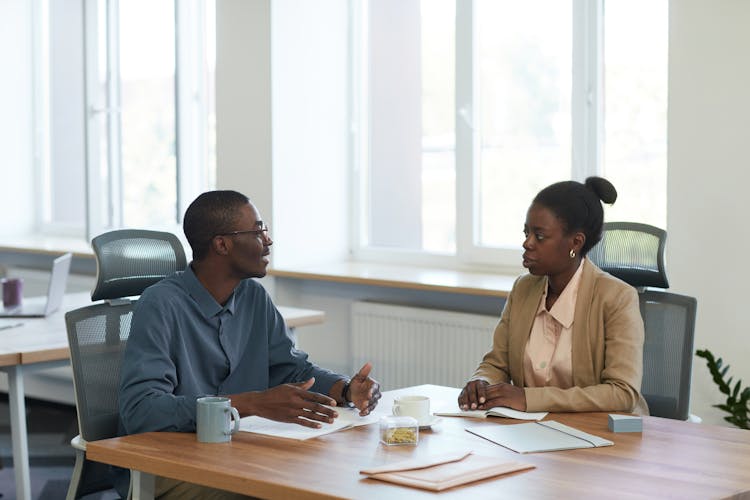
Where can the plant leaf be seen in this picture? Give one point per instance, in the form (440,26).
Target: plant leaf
(738,398)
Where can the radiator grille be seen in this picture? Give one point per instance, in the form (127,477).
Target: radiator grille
(412,346)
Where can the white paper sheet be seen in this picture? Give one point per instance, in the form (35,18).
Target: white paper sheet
(348,417)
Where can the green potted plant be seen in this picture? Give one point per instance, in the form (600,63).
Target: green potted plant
(738,399)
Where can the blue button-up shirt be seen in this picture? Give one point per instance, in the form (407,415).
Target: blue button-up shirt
(184,345)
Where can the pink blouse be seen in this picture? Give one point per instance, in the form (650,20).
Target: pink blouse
(547,360)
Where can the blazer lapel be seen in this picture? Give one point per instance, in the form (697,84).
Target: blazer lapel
(581,352)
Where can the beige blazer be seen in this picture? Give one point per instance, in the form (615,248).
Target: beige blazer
(607,351)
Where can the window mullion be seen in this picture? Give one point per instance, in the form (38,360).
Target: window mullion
(191,103)
(467,223)
(39,14)
(359,124)
(94,105)
(587,92)
(114,116)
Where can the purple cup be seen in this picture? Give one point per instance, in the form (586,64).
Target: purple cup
(12,292)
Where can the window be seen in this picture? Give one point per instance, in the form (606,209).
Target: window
(466,109)
(124,112)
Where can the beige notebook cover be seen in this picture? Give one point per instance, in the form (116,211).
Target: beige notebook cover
(440,472)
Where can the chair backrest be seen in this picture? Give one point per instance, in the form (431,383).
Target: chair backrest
(97,336)
(632,252)
(129,260)
(669,320)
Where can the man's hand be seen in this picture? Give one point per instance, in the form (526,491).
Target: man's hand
(364,392)
(287,403)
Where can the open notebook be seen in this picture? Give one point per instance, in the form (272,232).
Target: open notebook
(499,411)
(539,436)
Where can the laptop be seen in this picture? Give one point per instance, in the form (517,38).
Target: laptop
(39,307)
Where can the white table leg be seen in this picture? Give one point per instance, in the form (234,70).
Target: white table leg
(142,485)
(18,431)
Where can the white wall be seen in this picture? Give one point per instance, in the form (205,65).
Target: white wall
(708,180)
(16,206)
(243,101)
(288,60)
(310,66)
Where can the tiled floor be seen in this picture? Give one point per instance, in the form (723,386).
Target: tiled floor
(51,427)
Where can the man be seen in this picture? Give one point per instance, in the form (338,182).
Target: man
(211,330)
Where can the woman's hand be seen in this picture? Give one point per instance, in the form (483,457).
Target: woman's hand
(480,395)
(503,394)
(472,395)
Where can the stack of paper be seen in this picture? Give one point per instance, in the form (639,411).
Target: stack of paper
(440,472)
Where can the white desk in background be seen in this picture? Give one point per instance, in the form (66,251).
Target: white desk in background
(39,343)
(42,343)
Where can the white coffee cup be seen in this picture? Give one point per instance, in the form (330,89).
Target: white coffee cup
(413,406)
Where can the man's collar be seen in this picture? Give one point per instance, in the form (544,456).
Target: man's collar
(206,302)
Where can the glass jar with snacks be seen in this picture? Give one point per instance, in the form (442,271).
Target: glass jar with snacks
(399,430)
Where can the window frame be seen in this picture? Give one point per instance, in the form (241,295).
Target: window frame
(586,141)
(103,187)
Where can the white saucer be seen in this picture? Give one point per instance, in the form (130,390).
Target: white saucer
(429,422)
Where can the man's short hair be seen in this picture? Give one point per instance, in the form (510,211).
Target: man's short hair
(211,213)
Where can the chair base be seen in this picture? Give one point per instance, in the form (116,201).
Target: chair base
(75,478)
(87,477)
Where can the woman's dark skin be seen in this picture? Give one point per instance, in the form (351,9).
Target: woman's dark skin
(547,252)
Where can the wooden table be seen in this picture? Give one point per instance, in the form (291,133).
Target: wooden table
(669,459)
(41,343)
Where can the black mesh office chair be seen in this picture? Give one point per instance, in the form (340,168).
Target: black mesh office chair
(128,261)
(635,254)
(669,320)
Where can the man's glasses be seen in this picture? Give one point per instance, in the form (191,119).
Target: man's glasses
(263,231)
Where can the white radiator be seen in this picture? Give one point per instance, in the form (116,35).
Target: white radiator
(411,346)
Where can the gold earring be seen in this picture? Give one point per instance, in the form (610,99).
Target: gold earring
(572,253)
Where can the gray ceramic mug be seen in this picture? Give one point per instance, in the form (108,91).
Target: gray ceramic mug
(214,419)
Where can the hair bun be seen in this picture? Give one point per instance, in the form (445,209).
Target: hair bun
(603,189)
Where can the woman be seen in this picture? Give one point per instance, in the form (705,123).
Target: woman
(571,336)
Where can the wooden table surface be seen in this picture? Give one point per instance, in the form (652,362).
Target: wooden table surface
(669,459)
